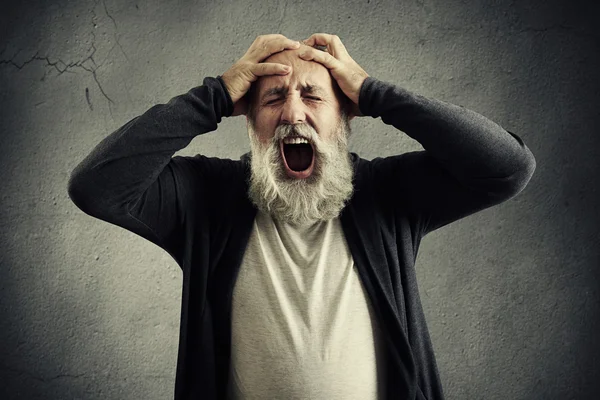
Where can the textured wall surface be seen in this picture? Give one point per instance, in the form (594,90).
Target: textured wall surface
(91,311)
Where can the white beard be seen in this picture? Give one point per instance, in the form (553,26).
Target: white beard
(319,197)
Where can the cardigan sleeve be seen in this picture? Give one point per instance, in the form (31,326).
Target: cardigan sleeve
(131,178)
(469,163)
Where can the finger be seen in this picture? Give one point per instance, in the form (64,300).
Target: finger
(263,69)
(333,42)
(281,43)
(271,45)
(329,61)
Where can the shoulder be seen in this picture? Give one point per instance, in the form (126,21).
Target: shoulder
(209,166)
(201,173)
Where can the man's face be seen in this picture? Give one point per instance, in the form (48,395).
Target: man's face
(299,183)
(304,96)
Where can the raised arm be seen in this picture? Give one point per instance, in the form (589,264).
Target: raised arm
(469,163)
(131,178)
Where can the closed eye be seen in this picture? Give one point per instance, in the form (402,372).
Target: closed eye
(308,97)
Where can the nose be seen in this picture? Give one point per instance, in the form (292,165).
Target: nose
(294,111)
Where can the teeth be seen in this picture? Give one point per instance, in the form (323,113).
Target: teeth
(294,140)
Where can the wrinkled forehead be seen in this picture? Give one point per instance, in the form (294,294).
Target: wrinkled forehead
(303,72)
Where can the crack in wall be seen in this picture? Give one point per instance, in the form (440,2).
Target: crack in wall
(67,67)
(62,67)
(116,35)
(87,98)
(40,378)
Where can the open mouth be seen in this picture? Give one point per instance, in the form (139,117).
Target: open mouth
(298,158)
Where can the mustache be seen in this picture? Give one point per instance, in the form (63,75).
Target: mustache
(287,130)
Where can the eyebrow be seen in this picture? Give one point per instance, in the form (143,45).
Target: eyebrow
(310,89)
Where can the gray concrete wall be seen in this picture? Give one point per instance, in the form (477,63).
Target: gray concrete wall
(91,311)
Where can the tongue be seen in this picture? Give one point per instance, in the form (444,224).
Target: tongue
(298,156)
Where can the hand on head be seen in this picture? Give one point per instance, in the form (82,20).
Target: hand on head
(347,73)
(248,68)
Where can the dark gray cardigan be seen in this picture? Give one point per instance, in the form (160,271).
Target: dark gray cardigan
(197,209)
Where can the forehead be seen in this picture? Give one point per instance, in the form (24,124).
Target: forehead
(304,74)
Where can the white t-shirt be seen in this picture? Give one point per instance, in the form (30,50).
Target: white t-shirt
(302,323)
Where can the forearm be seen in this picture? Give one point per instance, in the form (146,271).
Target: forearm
(129,160)
(467,144)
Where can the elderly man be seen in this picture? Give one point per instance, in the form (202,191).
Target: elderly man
(298,259)
(298,126)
